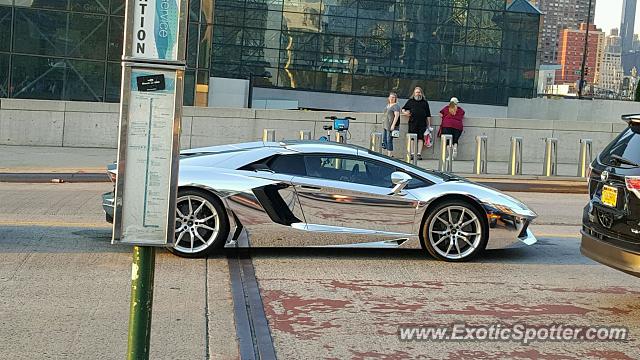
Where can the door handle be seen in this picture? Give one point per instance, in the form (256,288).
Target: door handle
(310,187)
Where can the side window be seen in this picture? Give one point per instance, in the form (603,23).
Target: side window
(350,169)
(288,164)
(377,174)
(326,167)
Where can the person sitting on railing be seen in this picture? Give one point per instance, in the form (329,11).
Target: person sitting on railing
(417,108)
(452,122)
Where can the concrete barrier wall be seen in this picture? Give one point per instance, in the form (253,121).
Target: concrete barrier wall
(571,109)
(80,124)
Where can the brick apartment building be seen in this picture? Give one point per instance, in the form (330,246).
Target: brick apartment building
(570,53)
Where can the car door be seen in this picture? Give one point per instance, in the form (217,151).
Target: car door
(272,203)
(350,194)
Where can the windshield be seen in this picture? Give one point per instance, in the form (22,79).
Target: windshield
(443,175)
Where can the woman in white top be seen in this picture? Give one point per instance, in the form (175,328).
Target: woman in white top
(391,122)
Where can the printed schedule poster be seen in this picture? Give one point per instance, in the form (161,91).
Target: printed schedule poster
(145,205)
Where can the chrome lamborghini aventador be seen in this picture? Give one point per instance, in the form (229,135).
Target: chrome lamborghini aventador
(312,194)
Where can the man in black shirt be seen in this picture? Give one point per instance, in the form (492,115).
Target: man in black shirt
(417,108)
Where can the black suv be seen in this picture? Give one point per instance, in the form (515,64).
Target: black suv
(611,220)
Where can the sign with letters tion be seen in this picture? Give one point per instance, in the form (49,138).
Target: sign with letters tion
(155,31)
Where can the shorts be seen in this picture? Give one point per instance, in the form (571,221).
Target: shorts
(418,127)
(455,133)
(387,140)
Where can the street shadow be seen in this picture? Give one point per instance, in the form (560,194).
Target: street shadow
(40,239)
(43,239)
(547,251)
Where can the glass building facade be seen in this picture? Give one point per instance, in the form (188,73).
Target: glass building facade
(476,50)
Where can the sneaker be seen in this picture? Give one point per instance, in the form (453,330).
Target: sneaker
(419,156)
(455,151)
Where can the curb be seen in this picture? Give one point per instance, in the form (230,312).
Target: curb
(536,187)
(53,177)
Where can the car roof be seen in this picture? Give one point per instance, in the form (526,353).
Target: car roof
(313,146)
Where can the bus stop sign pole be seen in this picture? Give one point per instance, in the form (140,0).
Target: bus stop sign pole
(142,273)
(153,64)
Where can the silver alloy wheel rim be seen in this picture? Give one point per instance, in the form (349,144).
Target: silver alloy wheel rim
(455,232)
(197,224)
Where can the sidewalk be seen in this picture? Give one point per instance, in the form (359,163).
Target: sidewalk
(44,164)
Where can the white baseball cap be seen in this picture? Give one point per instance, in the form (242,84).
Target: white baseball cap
(454,100)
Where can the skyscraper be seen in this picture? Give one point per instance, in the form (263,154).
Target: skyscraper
(611,73)
(560,15)
(628,24)
(626,34)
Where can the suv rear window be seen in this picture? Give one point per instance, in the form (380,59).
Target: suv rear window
(626,145)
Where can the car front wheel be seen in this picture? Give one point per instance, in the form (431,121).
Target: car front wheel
(454,231)
(202,225)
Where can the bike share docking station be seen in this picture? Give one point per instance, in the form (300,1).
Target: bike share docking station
(340,129)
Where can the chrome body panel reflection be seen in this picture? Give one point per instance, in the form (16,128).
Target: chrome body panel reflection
(355,207)
(267,208)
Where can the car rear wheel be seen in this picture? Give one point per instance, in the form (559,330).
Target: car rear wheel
(454,231)
(202,225)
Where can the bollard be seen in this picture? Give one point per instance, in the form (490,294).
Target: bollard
(375,143)
(550,157)
(480,161)
(585,158)
(446,153)
(305,135)
(515,156)
(269,135)
(412,149)
(341,137)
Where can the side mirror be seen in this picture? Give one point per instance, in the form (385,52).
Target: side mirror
(400,180)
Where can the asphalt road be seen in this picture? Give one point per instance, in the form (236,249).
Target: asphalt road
(64,291)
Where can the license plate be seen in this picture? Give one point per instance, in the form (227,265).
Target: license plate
(609,196)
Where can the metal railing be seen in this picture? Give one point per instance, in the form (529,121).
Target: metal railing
(550,157)
(585,157)
(269,135)
(480,160)
(375,143)
(305,135)
(412,149)
(446,153)
(341,137)
(515,156)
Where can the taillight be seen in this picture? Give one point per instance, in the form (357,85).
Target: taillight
(112,176)
(633,184)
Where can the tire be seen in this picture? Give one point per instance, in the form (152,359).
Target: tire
(202,225)
(455,231)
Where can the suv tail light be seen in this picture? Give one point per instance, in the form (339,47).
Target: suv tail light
(633,184)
